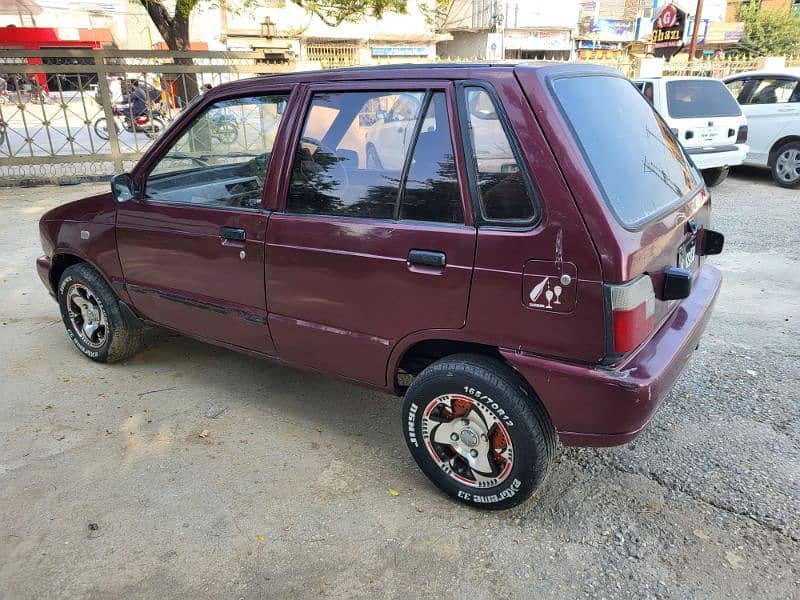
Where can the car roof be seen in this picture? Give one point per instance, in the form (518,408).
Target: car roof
(788,72)
(675,78)
(419,71)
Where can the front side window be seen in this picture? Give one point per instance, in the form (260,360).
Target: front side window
(502,189)
(378,155)
(220,160)
(737,87)
(637,162)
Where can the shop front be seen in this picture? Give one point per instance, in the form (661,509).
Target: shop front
(538,44)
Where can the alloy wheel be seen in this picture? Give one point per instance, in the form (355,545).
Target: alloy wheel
(467,441)
(87,315)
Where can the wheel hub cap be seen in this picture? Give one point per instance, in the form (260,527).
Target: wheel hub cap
(86,315)
(788,165)
(469,437)
(467,440)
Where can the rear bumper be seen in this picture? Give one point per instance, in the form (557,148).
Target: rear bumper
(43,267)
(596,406)
(712,160)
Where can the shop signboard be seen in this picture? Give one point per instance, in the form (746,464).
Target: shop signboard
(668,31)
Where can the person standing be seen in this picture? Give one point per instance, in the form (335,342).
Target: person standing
(115,90)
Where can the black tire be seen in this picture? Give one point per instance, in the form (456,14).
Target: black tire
(101,128)
(116,336)
(498,403)
(786,170)
(713,177)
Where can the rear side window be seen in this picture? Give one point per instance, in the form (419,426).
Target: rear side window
(502,189)
(431,189)
(637,162)
(693,98)
(378,155)
(774,91)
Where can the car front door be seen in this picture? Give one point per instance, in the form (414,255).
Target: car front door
(191,243)
(364,253)
(772,108)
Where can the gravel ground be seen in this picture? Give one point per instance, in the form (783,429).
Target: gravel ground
(107,489)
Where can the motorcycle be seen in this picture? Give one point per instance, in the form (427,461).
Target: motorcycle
(151,122)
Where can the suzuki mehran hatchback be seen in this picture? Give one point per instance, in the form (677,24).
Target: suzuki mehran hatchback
(705,117)
(520,267)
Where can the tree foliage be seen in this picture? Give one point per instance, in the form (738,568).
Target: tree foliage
(335,12)
(174,25)
(769,32)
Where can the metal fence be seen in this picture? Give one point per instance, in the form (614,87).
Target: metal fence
(59,122)
(710,68)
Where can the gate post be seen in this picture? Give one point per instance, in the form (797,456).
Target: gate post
(105,97)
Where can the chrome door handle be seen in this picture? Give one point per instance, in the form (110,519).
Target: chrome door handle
(233,233)
(427,258)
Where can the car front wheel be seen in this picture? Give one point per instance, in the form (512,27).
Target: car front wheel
(93,316)
(786,166)
(478,432)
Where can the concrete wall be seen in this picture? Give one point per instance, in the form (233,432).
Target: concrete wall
(465,44)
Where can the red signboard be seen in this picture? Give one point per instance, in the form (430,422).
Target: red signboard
(668,31)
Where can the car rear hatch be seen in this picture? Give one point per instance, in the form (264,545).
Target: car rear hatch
(704,115)
(644,202)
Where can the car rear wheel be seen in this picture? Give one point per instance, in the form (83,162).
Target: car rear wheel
(786,166)
(478,432)
(713,177)
(93,316)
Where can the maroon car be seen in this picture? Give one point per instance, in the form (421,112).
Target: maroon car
(518,250)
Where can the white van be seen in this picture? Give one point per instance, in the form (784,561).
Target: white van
(705,117)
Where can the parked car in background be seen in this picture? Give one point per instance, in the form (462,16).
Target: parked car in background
(547,280)
(771,102)
(706,119)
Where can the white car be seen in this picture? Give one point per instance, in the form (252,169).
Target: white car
(771,103)
(706,119)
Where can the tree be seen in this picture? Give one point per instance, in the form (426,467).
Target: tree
(174,26)
(769,32)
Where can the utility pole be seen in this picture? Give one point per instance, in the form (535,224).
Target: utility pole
(698,17)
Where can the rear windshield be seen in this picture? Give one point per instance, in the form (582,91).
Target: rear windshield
(690,98)
(639,165)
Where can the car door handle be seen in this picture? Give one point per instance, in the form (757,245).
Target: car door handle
(232,233)
(427,258)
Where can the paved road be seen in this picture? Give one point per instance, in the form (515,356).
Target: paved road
(288,497)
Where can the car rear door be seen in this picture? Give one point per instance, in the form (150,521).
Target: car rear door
(772,107)
(645,201)
(360,253)
(191,245)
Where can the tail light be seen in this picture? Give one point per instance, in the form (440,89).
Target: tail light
(141,120)
(632,313)
(741,137)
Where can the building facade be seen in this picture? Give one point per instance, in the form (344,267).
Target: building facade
(509,29)
(280,27)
